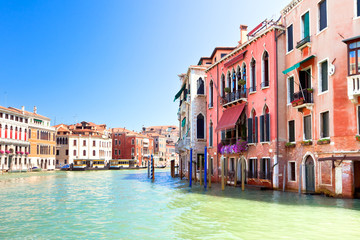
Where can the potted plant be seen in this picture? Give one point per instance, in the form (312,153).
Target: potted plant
(290,145)
(306,143)
(323,141)
(297,102)
(310,90)
(17,152)
(21,153)
(241,82)
(27,153)
(2,152)
(7,151)
(227,89)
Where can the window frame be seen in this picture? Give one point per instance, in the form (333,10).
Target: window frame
(289,171)
(288,88)
(293,120)
(321,124)
(320,91)
(356,9)
(287,38)
(263,73)
(319,17)
(311,128)
(357,56)
(302,30)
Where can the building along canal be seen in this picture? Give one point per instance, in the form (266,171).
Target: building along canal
(127,205)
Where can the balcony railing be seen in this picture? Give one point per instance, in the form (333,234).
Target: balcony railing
(354,88)
(229,141)
(234,96)
(304,41)
(302,97)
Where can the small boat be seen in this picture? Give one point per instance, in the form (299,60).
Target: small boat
(160,166)
(65,167)
(36,169)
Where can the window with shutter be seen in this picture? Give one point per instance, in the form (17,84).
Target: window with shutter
(290,41)
(250,130)
(307,127)
(256,130)
(292,131)
(324,125)
(291,89)
(322,15)
(267,125)
(358,8)
(305,25)
(262,128)
(324,76)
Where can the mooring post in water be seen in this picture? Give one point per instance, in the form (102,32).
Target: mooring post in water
(222,160)
(190,170)
(181,172)
(148,168)
(235,174)
(200,170)
(152,168)
(243,174)
(205,168)
(284,178)
(300,178)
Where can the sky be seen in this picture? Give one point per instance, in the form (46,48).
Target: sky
(114,62)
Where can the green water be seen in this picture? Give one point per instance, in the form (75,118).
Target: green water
(126,205)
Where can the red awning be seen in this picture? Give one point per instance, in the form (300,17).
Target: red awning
(230,117)
(235,59)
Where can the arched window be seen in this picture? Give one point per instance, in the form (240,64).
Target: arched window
(252,75)
(229,81)
(234,84)
(211,134)
(265,72)
(211,92)
(252,127)
(222,85)
(265,125)
(200,86)
(200,126)
(84,153)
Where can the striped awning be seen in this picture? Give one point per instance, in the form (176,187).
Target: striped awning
(297,65)
(179,92)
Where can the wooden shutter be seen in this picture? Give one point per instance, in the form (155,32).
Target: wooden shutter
(292,131)
(250,130)
(256,130)
(307,127)
(325,124)
(358,8)
(262,128)
(267,120)
(290,41)
(324,76)
(291,89)
(323,17)
(306,25)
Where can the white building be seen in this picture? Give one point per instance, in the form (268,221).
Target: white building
(84,140)
(14,145)
(192,116)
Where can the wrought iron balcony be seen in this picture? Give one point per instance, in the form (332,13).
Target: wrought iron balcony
(301,98)
(303,42)
(238,95)
(354,88)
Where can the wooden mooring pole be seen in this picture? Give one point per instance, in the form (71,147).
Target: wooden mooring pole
(200,170)
(222,159)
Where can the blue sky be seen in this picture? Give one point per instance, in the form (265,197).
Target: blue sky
(113,62)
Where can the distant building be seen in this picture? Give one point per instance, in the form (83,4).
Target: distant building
(14,145)
(84,140)
(132,145)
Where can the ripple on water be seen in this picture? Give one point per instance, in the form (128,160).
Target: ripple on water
(127,205)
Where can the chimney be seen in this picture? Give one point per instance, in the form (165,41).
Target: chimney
(243,34)
(22,109)
(35,109)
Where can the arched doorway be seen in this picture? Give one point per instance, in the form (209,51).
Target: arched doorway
(241,163)
(309,174)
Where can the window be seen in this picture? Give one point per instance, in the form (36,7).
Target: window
(252,168)
(307,128)
(290,89)
(115,152)
(253,128)
(57,152)
(223,55)
(132,141)
(223,85)
(200,126)
(291,131)
(94,153)
(211,92)
(74,142)
(253,75)
(84,143)
(115,142)
(323,75)
(265,126)
(119,152)
(324,128)
(132,151)
(211,134)
(292,171)
(322,15)
(357,2)
(94,143)
(265,65)
(84,152)
(265,168)
(354,58)
(305,25)
(74,152)
(66,152)
(200,86)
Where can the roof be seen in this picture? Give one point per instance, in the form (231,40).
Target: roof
(31,114)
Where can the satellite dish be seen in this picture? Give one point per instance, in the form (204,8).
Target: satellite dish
(331,69)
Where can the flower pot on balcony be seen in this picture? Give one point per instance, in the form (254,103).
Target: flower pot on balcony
(323,141)
(357,138)
(290,145)
(2,152)
(241,82)
(306,143)
(227,90)
(310,90)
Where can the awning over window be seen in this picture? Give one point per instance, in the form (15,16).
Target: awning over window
(298,64)
(230,116)
(179,92)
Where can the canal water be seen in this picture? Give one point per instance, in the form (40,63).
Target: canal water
(126,205)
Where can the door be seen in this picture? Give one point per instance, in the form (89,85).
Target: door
(305,79)
(357,179)
(309,175)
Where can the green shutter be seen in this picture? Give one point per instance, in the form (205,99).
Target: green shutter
(324,76)
(183,122)
(306,25)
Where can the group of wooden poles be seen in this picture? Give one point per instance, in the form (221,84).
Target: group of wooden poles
(207,174)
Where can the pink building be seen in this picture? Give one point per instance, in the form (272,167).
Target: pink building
(322,74)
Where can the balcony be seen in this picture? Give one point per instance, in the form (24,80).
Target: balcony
(303,99)
(303,43)
(233,97)
(354,88)
(182,145)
